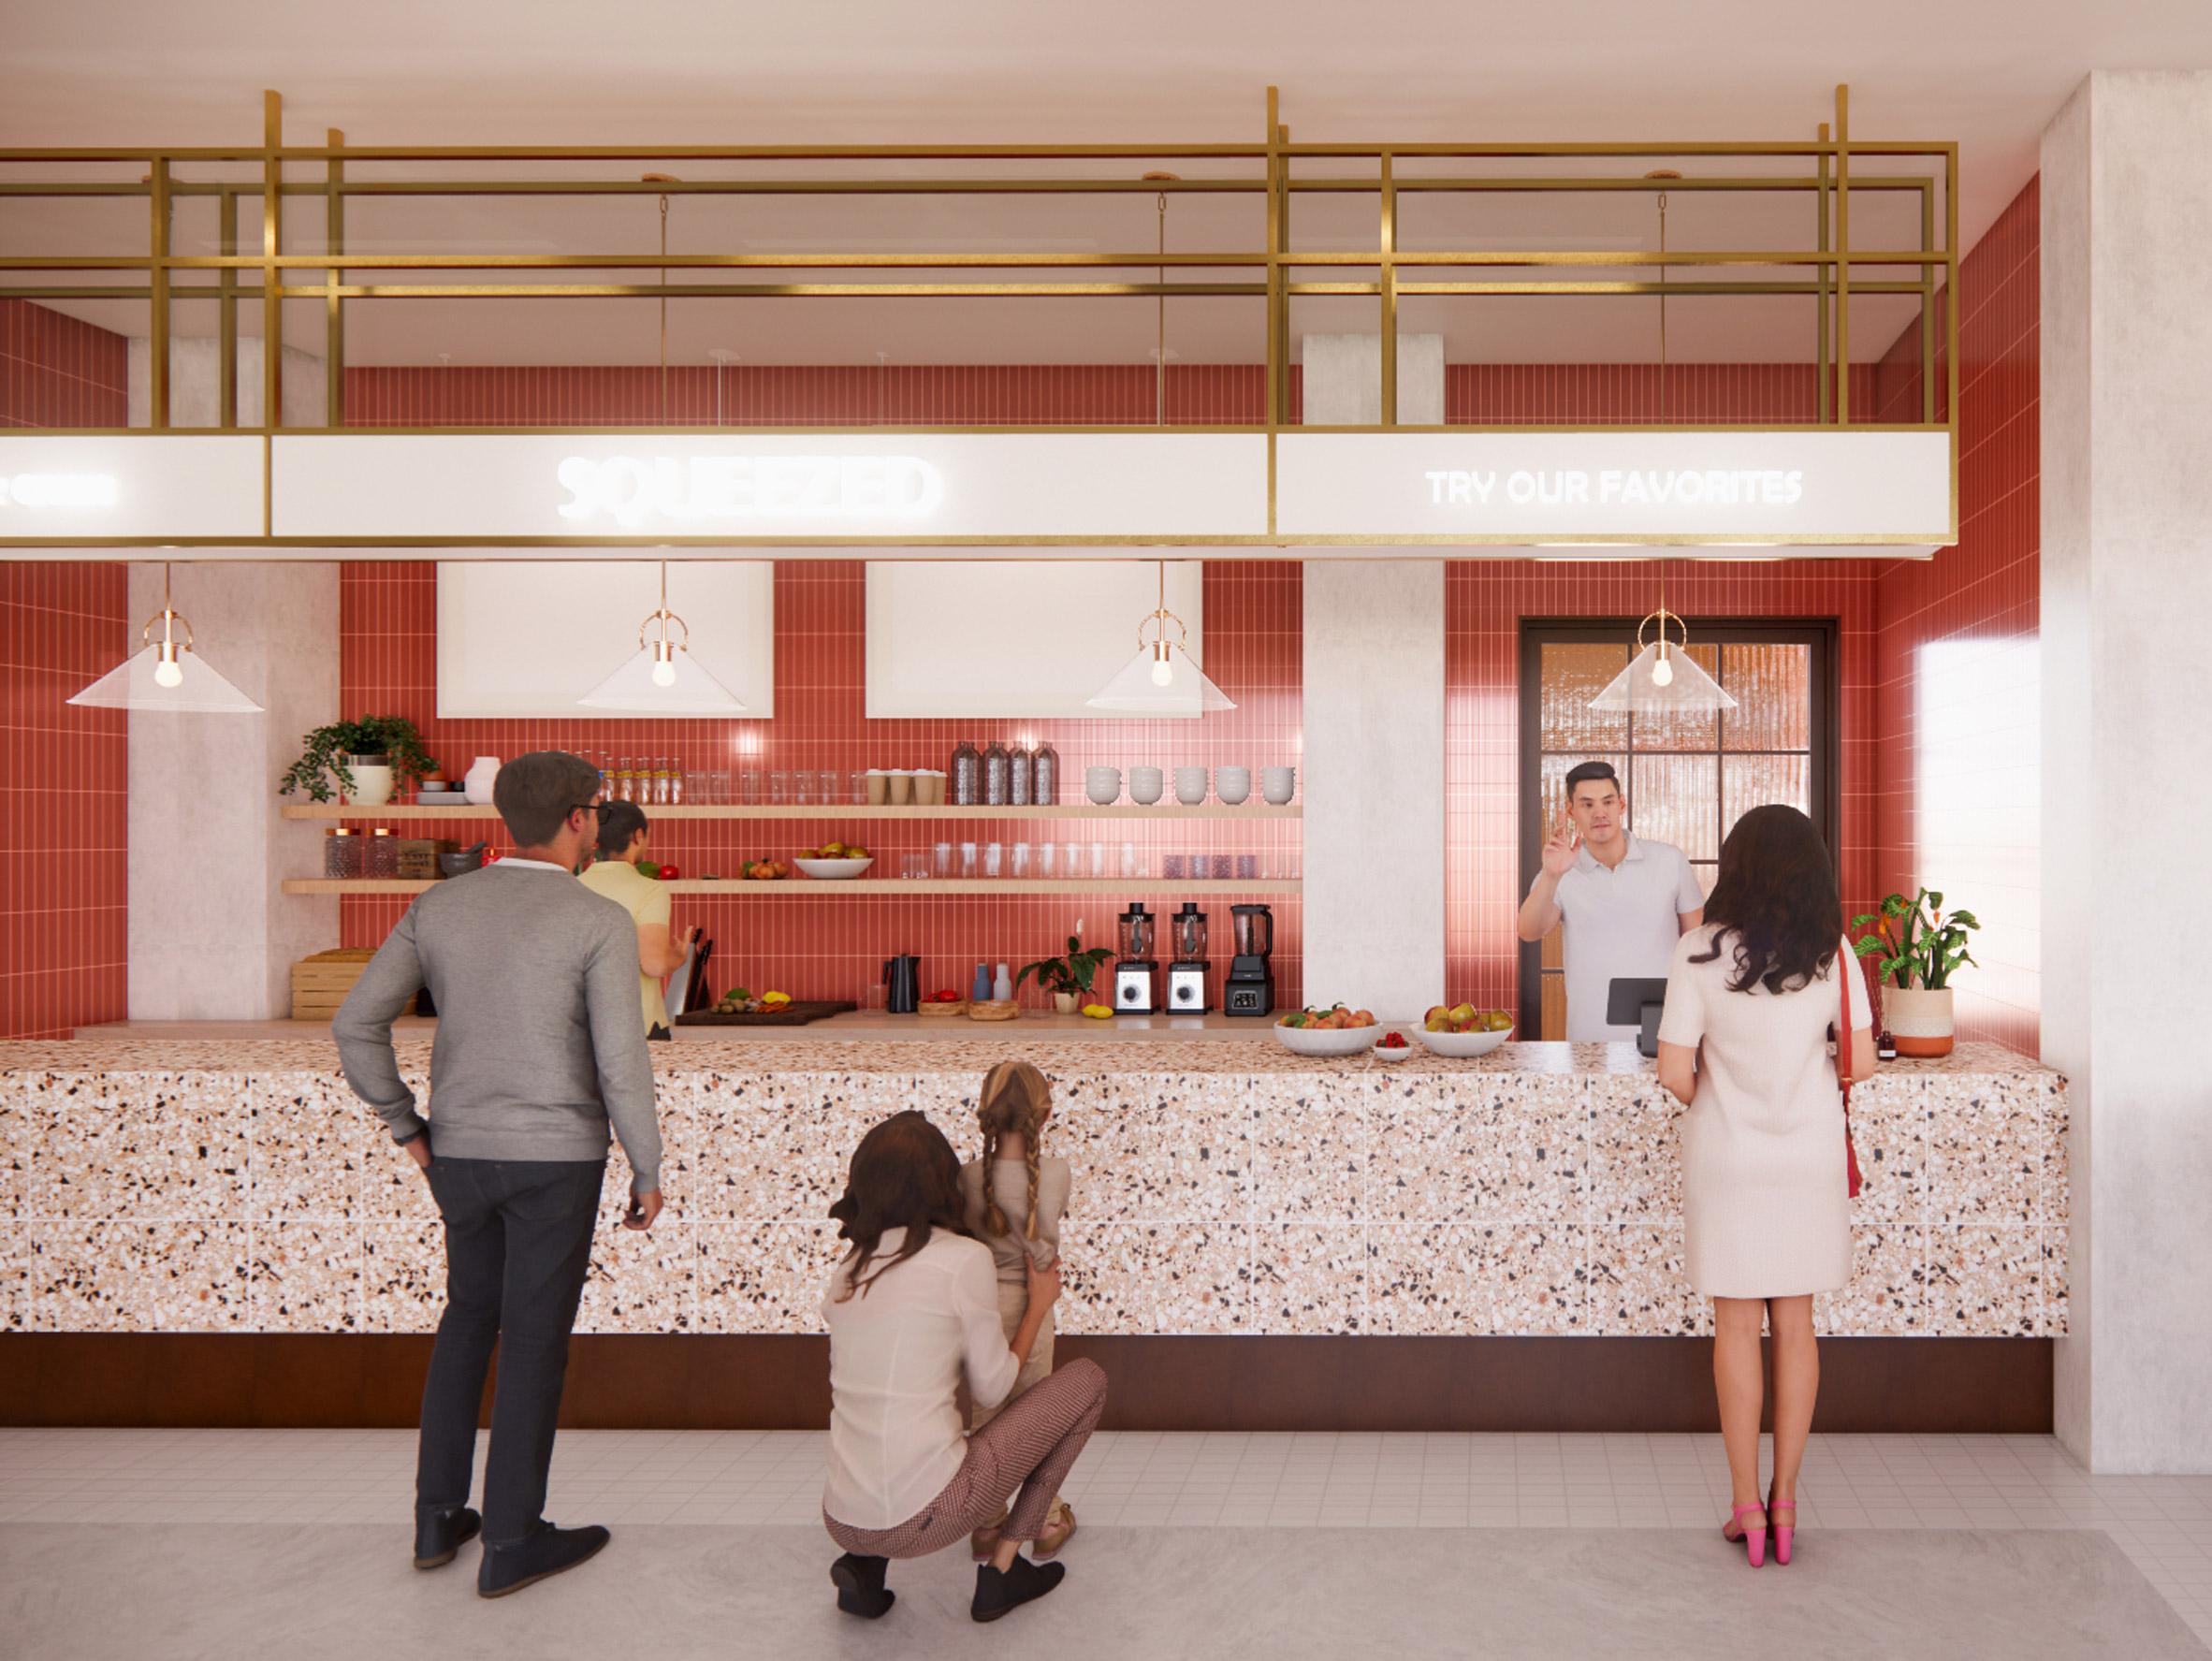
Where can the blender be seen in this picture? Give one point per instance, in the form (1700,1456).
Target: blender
(1250,989)
(1186,974)
(1136,974)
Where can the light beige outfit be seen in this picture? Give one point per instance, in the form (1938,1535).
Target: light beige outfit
(1765,1203)
(646,901)
(1009,1182)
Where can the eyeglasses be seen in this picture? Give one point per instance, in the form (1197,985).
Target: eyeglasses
(585,807)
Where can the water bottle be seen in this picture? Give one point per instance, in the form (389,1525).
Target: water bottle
(1044,782)
(1017,775)
(967,780)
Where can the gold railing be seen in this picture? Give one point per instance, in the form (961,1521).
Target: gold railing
(1275,168)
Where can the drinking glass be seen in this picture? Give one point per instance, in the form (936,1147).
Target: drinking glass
(1128,859)
(1047,858)
(991,859)
(749,787)
(803,787)
(1247,866)
(1020,865)
(1098,859)
(967,859)
(1221,867)
(856,788)
(943,863)
(1171,866)
(722,790)
(779,789)
(1071,859)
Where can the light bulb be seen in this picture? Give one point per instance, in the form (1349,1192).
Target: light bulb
(664,669)
(1163,673)
(1661,673)
(167,673)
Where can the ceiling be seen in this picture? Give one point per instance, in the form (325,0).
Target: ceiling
(1987,73)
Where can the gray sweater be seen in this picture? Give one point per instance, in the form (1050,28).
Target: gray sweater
(538,1045)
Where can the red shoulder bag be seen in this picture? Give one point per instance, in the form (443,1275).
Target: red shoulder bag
(1843,1078)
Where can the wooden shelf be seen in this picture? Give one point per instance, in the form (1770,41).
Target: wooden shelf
(871,885)
(1164,811)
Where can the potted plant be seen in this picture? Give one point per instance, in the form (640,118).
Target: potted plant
(369,758)
(1068,978)
(1919,948)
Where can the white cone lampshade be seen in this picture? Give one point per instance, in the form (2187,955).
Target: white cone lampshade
(662,679)
(136,683)
(1652,684)
(1141,688)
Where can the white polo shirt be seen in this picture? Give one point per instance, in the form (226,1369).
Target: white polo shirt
(1620,923)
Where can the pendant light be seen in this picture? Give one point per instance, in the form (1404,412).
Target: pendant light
(1663,678)
(663,678)
(1159,350)
(1663,173)
(1162,679)
(165,674)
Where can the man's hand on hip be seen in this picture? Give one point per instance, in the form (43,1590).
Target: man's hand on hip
(644,1208)
(419,1150)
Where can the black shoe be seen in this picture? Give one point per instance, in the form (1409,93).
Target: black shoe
(997,1594)
(544,1553)
(441,1531)
(860,1586)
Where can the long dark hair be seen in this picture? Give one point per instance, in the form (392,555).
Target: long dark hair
(1776,896)
(905,1175)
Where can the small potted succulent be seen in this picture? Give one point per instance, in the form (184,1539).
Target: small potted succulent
(1918,948)
(1068,978)
(370,758)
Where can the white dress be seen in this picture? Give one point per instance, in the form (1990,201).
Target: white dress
(1766,1199)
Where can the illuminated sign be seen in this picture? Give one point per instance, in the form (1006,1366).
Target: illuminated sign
(150,487)
(631,489)
(59,489)
(1571,485)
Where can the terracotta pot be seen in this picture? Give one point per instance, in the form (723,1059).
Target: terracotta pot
(1064,1002)
(1919,1020)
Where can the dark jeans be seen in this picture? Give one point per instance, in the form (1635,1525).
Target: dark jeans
(518,1243)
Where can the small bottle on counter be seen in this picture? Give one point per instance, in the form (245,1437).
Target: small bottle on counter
(1002,988)
(967,776)
(1017,776)
(981,991)
(1044,783)
(996,775)
(1885,1045)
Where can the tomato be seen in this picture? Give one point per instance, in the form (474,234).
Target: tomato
(669,873)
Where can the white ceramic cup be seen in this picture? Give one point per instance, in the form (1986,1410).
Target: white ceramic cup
(1146,785)
(1232,785)
(1190,786)
(1276,784)
(1103,785)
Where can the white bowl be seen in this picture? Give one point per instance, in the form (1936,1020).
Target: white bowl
(1464,1046)
(1277,784)
(1144,792)
(1232,785)
(1327,1040)
(1103,792)
(834,870)
(1400,1055)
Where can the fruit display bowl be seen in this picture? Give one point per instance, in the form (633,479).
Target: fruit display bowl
(1327,1040)
(1462,1045)
(833,869)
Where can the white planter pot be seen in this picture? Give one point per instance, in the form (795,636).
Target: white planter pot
(1919,1020)
(476,785)
(372,782)
(1064,1002)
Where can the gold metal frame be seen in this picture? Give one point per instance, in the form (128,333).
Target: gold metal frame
(1273,168)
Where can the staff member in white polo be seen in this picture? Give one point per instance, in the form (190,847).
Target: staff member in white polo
(1625,900)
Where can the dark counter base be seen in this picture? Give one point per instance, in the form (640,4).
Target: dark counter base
(678,1381)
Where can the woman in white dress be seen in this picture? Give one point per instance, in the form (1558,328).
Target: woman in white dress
(1754,1001)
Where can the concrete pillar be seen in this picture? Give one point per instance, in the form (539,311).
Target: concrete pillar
(2126,756)
(1374,715)
(194,364)
(211,938)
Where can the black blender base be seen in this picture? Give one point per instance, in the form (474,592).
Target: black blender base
(1248,997)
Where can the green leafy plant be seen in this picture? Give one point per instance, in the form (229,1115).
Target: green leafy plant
(1071,974)
(1919,946)
(392,736)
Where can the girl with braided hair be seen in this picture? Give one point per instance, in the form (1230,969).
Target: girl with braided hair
(1014,1197)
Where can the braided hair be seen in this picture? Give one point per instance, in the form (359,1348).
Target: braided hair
(1015,1097)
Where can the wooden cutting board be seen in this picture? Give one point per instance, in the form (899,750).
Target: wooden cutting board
(790,1014)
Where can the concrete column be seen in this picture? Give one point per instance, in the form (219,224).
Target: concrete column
(1374,714)
(2127,757)
(195,366)
(211,938)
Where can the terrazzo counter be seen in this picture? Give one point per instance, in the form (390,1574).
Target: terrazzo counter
(152,1185)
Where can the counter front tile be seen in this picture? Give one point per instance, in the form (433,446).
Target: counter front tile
(1309,1278)
(1985,1156)
(308,1135)
(1171,1147)
(1635,1170)
(1477,1279)
(1637,1282)
(403,1275)
(1975,1278)
(306,1276)
(1310,1141)
(1156,1278)
(1889,1125)
(764,1276)
(1886,1293)
(641,1281)
(1514,1150)
(2056,1243)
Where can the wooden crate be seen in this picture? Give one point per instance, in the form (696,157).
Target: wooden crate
(419,857)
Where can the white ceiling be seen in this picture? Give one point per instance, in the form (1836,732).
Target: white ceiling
(1988,73)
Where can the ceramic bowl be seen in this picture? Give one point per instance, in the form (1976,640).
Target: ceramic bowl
(1232,785)
(1103,786)
(834,870)
(1339,1041)
(1277,784)
(1410,1048)
(1146,785)
(1464,1045)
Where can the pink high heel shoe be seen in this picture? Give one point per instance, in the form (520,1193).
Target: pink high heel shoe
(1754,1539)
(1783,1530)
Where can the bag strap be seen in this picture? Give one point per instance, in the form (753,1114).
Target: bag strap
(1843,1033)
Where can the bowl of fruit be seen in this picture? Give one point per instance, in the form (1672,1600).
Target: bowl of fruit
(763,870)
(1392,1046)
(833,861)
(1338,1031)
(1464,1030)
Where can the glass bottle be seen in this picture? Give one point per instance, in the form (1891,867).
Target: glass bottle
(1044,783)
(967,776)
(623,780)
(996,771)
(676,781)
(1017,776)
(663,781)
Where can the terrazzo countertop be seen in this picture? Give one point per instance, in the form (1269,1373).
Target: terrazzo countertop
(238,1186)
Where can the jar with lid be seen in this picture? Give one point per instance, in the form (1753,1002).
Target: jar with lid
(381,857)
(1044,781)
(996,775)
(967,776)
(341,854)
(1017,776)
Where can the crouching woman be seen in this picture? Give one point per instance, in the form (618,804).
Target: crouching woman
(911,1308)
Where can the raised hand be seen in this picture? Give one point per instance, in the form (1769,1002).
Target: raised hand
(1564,848)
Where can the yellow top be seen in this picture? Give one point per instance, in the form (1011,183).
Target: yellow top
(646,901)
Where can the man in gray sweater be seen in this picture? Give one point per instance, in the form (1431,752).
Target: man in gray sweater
(538,1047)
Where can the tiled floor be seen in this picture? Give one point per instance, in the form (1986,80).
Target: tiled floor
(1129,1480)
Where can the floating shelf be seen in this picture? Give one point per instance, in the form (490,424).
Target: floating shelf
(1164,811)
(871,885)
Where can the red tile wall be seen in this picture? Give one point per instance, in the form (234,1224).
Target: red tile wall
(63,780)
(56,371)
(812,943)
(1959,776)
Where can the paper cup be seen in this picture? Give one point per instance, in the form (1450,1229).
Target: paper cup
(899,788)
(878,787)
